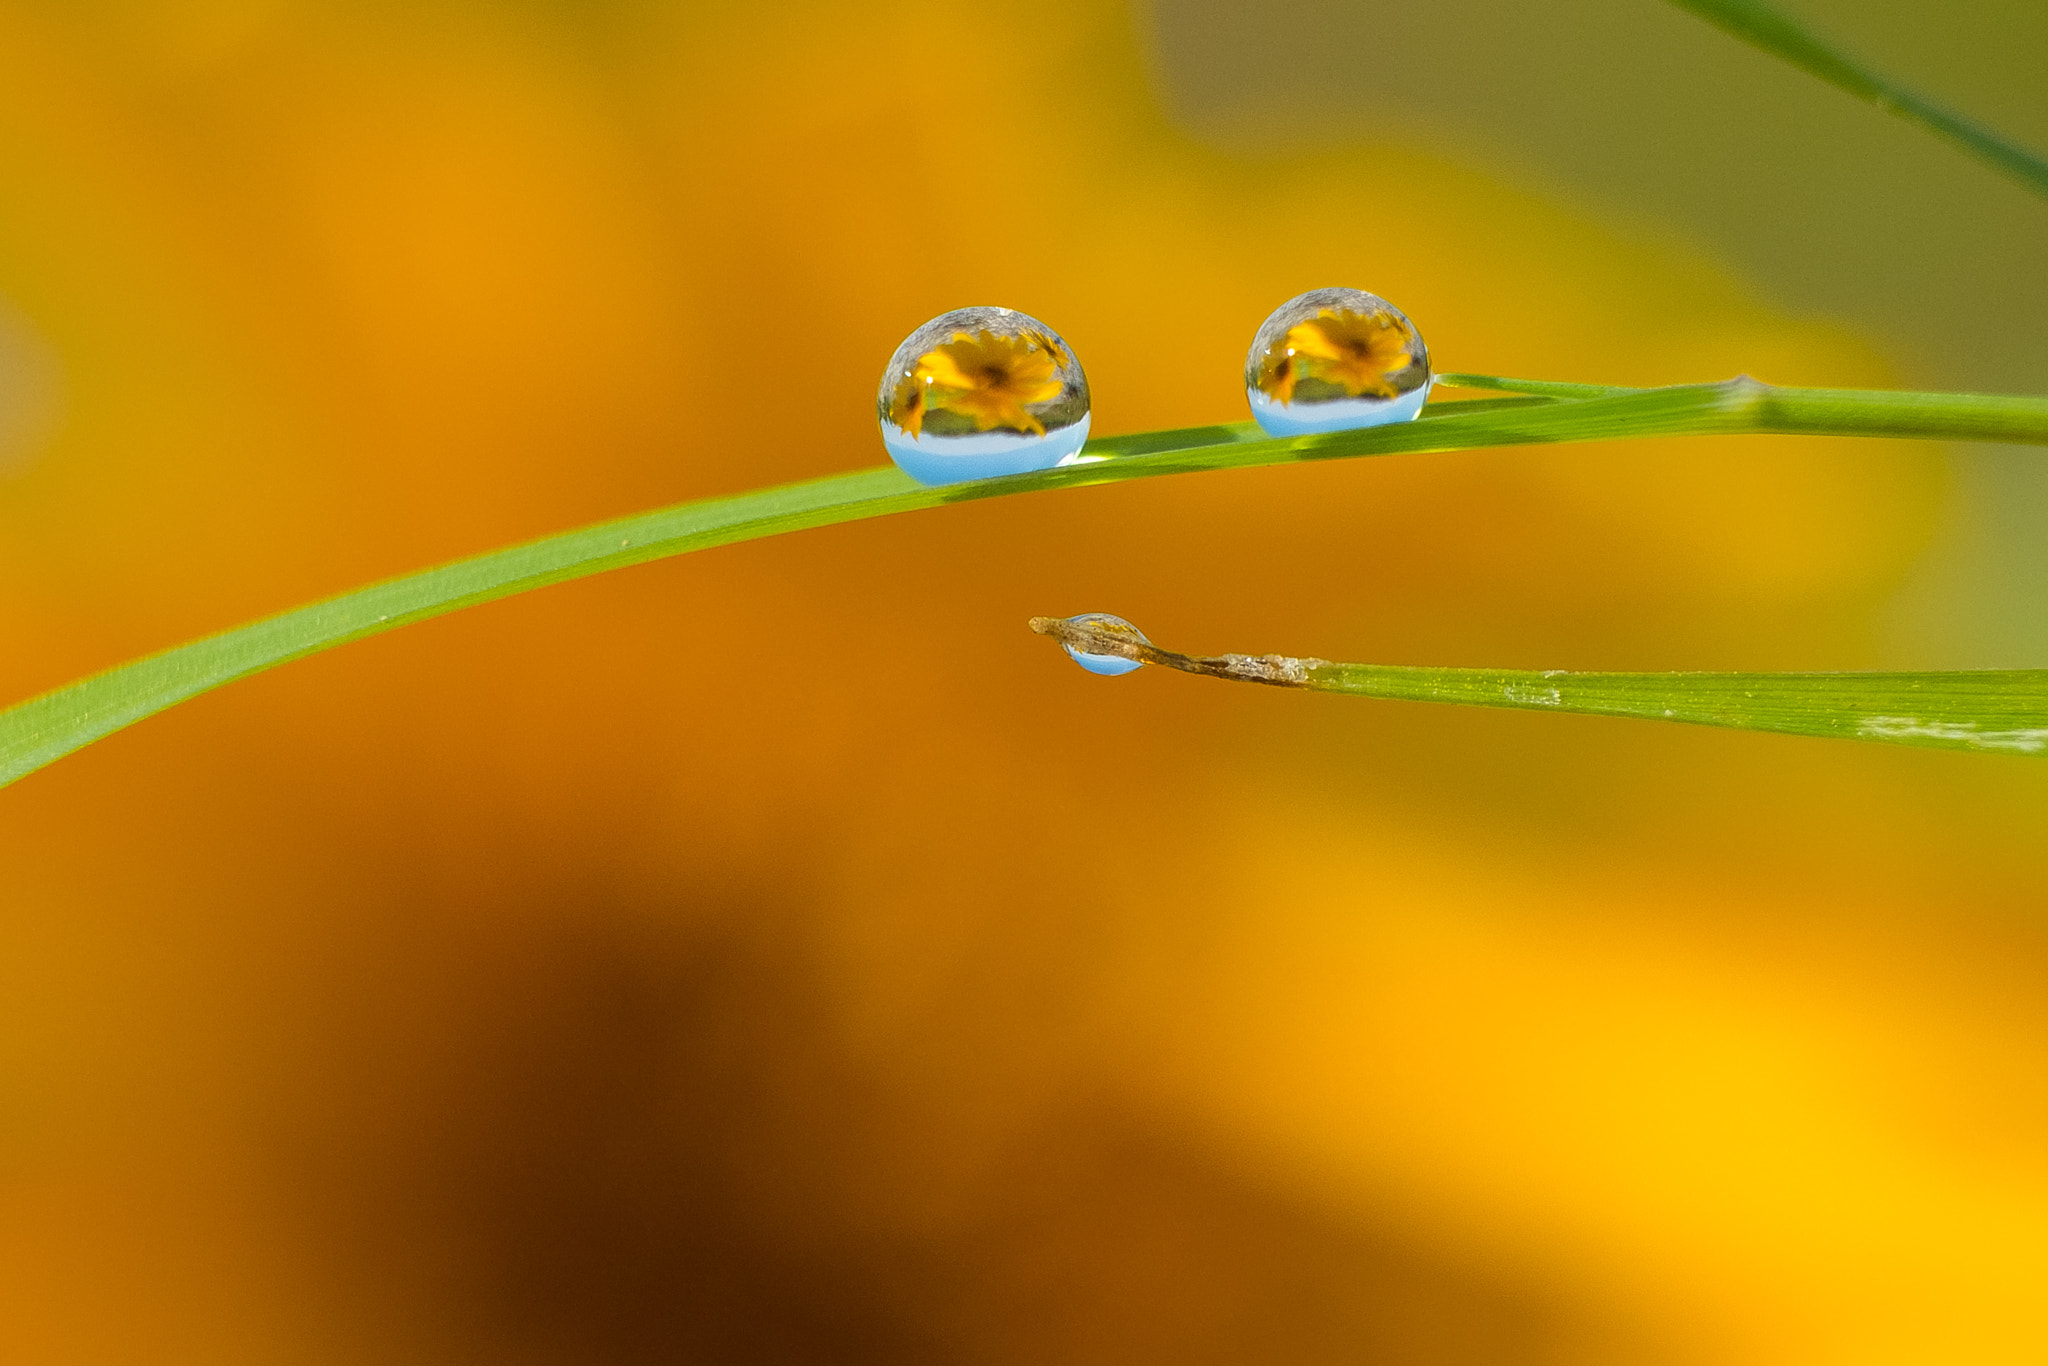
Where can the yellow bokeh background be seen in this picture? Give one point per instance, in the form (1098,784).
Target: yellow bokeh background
(780,955)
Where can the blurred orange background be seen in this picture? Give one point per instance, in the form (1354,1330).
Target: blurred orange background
(778,954)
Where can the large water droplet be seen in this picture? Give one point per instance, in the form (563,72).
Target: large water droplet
(1333,359)
(980,392)
(1109,666)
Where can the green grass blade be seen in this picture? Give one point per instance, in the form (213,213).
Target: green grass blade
(1765,27)
(1991,711)
(1546,388)
(1987,711)
(45,728)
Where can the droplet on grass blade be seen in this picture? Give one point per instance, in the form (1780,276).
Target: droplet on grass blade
(1333,359)
(981,392)
(1109,666)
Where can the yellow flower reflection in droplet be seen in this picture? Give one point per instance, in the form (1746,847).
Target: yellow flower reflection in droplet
(1049,346)
(983,376)
(1355,351)
(906,405)
(1278,373)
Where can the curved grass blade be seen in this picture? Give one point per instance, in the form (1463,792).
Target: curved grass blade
(2001,711)
(45,728)
(1545,388)
(1763,26)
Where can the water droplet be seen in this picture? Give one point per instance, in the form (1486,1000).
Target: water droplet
(1333,359)
(1109,666)
(981,392)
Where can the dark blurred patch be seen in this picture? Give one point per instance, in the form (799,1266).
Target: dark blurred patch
(650,1147)
(613,1175)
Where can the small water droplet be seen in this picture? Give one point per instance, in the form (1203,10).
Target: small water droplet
(1109,666)
(1333,359)
(981,392)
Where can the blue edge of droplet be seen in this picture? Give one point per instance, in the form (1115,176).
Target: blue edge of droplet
(939,460)
(1109,666)
(1339,415)
(936,460)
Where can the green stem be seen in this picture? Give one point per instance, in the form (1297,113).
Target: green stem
(1546,388)
(1987,711)
(1765,27)
(45,728)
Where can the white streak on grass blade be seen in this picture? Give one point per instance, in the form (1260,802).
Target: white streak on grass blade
(1913,728)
